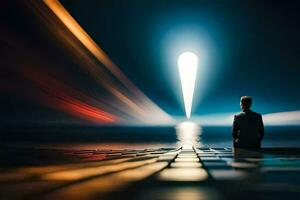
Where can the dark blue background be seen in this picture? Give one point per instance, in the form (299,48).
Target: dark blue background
(252,48)
(244,48)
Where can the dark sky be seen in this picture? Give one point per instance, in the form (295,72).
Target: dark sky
(251,48)
(244,48)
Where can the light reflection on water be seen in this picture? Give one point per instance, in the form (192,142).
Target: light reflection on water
(188,134)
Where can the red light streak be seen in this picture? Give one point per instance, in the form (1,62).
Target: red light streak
(56,94)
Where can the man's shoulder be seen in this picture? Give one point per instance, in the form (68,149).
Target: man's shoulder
(242,114)
(256,114)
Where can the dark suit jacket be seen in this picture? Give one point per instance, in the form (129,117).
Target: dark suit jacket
(247,130)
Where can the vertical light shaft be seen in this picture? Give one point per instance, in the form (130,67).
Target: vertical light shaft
(188,64)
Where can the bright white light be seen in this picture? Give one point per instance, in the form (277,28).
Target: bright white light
(188,64)
(188,134)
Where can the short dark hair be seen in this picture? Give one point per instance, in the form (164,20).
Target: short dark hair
(246,101)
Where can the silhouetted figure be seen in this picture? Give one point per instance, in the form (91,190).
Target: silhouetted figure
(248,127)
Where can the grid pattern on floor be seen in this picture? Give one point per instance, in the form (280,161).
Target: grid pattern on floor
(164,173)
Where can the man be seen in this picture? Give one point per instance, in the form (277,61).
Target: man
(248,127)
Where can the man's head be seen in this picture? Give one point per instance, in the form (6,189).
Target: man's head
(246,102)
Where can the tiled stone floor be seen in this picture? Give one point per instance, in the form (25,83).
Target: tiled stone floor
(157,173)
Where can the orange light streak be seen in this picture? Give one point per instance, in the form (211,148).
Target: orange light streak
(144,109)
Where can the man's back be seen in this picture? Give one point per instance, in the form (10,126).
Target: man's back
(248,130)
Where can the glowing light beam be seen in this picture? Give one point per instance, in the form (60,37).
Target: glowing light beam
(188,64)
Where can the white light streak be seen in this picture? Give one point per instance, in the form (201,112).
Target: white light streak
(188,64)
